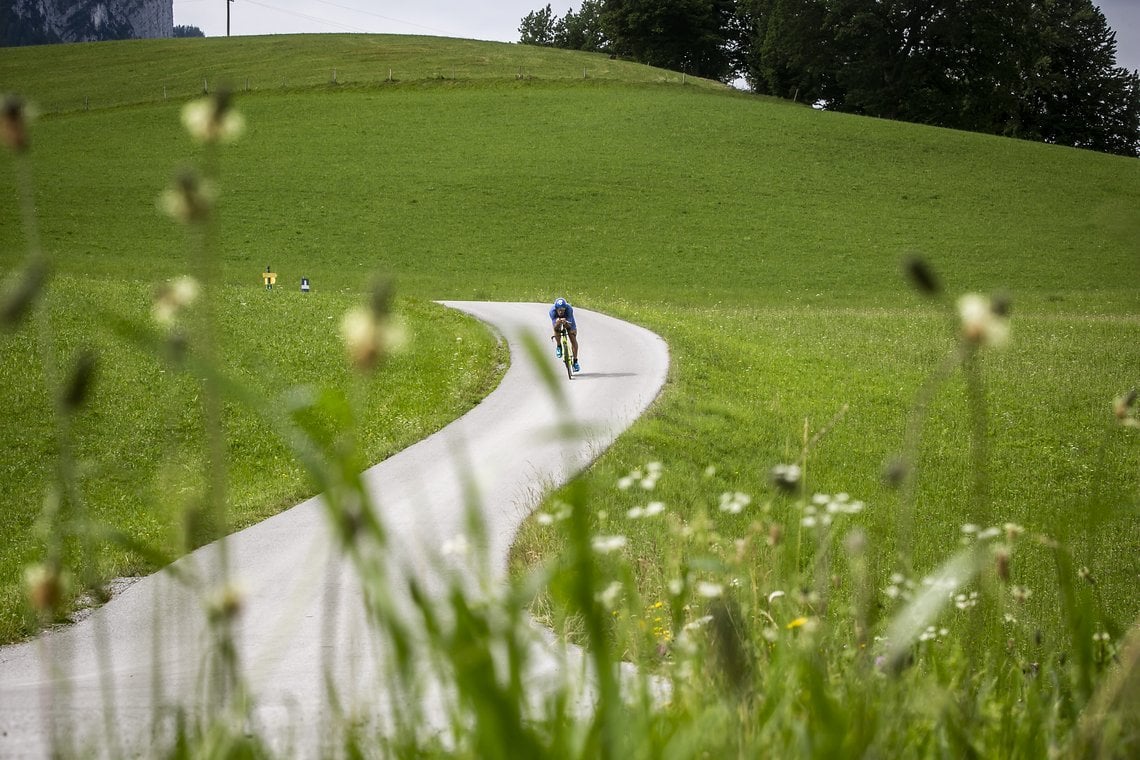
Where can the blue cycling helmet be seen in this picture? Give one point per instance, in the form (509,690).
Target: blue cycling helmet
(560,303)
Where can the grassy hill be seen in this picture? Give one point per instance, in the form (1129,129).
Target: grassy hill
(761,239)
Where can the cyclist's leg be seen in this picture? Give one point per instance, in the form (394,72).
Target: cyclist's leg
(574,343)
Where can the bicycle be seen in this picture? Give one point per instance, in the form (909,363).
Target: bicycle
(563,337)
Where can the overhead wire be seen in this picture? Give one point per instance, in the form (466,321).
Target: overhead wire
(379,16)
(330,22)
(317,19)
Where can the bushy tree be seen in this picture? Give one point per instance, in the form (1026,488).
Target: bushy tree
(695,36)
(1074,93)
(1040,69)
(537,28)
(188,31)
(786,51)
(582,30)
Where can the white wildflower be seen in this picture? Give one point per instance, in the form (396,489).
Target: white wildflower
(709,590)
(456,546)
(608,544)
(610,595)
(698,623)
(734,502)
(211,120)
(981,321)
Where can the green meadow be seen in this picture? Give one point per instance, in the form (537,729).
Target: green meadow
(762,240)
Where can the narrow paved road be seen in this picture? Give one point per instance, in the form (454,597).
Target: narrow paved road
(111,684)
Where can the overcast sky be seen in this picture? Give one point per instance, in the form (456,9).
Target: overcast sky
(472,19)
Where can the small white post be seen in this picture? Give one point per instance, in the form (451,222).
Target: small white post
(164,90)
(334,76)
(583,72)
(389,73)
(205,87)
(86,104)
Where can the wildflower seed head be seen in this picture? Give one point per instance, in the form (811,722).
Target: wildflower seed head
(1002,305)
(734,502)
(981,321)
(786,477)
(190,200)
(921,276)
(75,391)
(1124,408)
(1012,531)
(46,588)
(1001,560)
(652,509)
(212,119)
(856,543)
(608,544)
(361,337)
(225,603)
(1086,575)
(456,546)
(895,471)
(172,298)
(710,590)
(177,344)
(20,293)
(610,595)
(14,123)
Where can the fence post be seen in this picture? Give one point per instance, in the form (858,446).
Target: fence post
(205,87)
(164,90)
(583,72)
(389,73)
(86,104)
(334,76)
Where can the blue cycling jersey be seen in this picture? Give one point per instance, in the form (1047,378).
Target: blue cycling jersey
(568,316)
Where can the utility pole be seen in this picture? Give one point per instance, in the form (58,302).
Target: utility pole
(228,17)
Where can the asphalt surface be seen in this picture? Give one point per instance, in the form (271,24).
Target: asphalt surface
(113,684)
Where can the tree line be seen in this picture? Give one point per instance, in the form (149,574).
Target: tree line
(1034,69)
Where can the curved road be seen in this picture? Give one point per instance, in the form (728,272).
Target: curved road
(92,688)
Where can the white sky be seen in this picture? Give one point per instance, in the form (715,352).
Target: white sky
(471,19)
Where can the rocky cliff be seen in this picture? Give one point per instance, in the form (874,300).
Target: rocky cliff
(40,22)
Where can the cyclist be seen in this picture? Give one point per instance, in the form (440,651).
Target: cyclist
(563,313)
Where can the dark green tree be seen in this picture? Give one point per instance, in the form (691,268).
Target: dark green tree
(188,31)
(787,49)
(537,28)
(1073,91)
(582,30)
(694,36)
